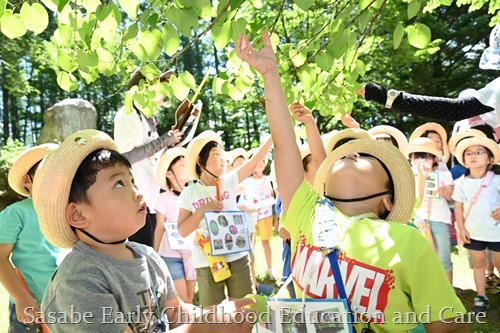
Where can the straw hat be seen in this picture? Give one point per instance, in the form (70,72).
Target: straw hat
(396,163)
(485,142)
(233,154)
(194,148)
(435,127)
(347,133)
(254,151)
(53,183)
(24,163)
(165,161)
(393,132)
(457,137)
(423,145)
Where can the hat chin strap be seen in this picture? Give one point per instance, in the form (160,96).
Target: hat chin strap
(211,174)
(358,199)
(100,241)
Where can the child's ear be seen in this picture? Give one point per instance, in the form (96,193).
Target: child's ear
(388,203)
(27,183)
(74,216)
(169,174)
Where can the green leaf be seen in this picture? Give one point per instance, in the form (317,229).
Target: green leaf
(360,67)
(34,17)
(419,35)
(138,50)
(12,25)
(128,102)
(106,64)
(217,85)
(237,27)
(102,12)
(307,78)
(235,4)
(413,8)
(188,80)
(397,37)
(61,5)
(257,4)
(90,76)
(87,60)
(150,71)
(67,81)
(63,35)
(66,61)
(130,33)
(297,58)
(235,93)
(304,4)
(180,90)
(324,60)
(446,2)
(50,4)
(91,5)
(221,34)
(171,40)
(130,7)
(187,3)
(150,41)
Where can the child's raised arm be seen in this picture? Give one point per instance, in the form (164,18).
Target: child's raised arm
(289,173)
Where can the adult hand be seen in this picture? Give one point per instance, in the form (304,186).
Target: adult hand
(496,214)
(301,113)
(177,135)
(361,91)
(263,60)
(349,121)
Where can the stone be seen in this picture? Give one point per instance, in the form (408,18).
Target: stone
(65,118)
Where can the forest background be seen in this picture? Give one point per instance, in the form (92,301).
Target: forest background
(57,49)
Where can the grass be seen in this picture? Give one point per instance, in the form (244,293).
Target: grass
(463,280)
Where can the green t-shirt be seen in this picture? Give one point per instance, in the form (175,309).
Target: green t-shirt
(32,254)
(389,270)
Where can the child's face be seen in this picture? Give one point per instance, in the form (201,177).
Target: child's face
(178,170)
(476,157)
(415,161)
(260,167)
(437,140)
(116,209)
(216,163)
(355,177)
(238,162)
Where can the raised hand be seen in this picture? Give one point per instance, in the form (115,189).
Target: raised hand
(263,60)
(349,121)
(301,113)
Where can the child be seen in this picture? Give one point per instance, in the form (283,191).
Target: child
(214,190)
(390,134)
(235,158)
(436,133)
(172,176)
(257,188)
(432,212)
(372,190)
(87,200)
(477,208)
(21,239)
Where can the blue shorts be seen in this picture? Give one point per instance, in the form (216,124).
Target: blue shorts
(477,245)
(16,326)
(175,267)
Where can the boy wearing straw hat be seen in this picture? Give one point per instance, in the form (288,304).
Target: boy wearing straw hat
(87,200)
(21,239)
(372,186)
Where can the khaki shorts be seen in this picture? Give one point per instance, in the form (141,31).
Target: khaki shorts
(238,285)
(264,228)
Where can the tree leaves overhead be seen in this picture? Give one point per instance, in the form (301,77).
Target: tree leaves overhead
(321,44)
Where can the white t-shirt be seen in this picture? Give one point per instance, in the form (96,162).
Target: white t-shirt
(196,195)
(480,224)
(440,212)
(131,132)
(255,190)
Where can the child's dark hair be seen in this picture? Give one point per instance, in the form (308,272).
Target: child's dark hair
(86,174)
(426,134)
(422,155)
(31,172)
(204,153)
(175,160)
(495,168)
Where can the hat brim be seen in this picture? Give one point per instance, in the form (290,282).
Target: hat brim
(420,130)
(53,180)
(164,164)
(475,141)
(194,148)
(396,163)
(490,59)
(24,163)
(457,137)
(235,153)
(347,133)
(393,132)
(423,145)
